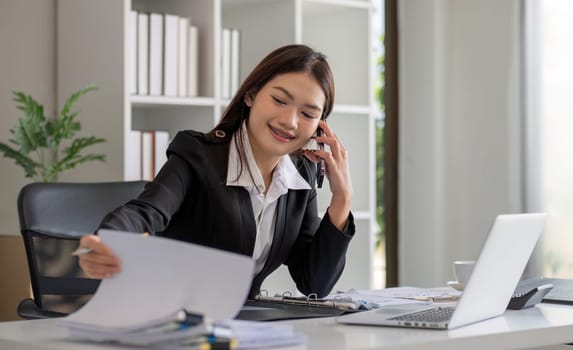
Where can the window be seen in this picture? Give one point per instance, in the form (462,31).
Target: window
(379,268)
(549,149)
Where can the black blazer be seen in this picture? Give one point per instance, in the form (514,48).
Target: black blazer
(189,201)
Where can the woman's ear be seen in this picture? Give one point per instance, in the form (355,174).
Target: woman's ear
(248,100)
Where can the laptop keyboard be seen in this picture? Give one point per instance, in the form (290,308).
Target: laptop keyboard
(440,314)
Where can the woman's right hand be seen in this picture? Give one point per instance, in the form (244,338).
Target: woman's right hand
(100,262)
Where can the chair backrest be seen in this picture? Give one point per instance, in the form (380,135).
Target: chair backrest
(53,217)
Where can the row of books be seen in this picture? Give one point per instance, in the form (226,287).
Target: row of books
(230,70)
(163,55)
(146,154)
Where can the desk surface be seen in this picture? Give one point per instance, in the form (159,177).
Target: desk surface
(543,325)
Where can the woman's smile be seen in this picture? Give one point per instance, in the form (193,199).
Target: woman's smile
(281,135)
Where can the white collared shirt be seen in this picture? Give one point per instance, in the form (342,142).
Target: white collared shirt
(285,177)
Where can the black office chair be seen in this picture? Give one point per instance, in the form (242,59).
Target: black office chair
(53,217)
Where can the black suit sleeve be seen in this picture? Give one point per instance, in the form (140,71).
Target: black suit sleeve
(161,199)
(318,256)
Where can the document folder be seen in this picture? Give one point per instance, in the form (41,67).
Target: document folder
(284,307)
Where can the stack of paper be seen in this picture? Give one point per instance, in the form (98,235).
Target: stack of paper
(263,335)
(246,335)
(174,330)
(171,294)
(376,298)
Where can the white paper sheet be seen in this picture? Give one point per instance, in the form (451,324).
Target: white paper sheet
(397,295)
(161,276)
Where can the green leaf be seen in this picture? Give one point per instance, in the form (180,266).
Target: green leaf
(74,98)
(81,143)
(25,162)
(72,155)
(66,126)
(37,139)
(71,163)
(31,130)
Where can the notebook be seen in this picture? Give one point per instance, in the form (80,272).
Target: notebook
(489,289)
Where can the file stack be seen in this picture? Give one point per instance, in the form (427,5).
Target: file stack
(176,303)
(182,328)
(187,331)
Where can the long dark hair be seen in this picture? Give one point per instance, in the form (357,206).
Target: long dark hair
(286,59)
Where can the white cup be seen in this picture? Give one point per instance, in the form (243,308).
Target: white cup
(463,270)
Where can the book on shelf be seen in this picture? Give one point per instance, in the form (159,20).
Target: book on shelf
(230,61)
(170,55)
(160,144)
(147,156)
(182,56)
(132,52)
(133,156)
(154,145)
(155,54)
(235,56)
(193,68)
(163,53)
(142,53)
(225,63)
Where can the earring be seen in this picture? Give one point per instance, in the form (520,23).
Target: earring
(248,101)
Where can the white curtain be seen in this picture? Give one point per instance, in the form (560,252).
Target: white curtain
(549,146)
(460,130)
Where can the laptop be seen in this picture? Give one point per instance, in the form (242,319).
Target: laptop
(496,273)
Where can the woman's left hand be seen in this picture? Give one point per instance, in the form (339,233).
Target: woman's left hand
(337,173)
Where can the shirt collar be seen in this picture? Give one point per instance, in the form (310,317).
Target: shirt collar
(285,174)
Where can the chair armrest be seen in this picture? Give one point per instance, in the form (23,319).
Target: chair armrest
(28,309)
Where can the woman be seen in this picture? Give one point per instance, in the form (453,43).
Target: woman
(248,186)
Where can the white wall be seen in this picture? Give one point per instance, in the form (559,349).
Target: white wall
(27,63)
(459,130)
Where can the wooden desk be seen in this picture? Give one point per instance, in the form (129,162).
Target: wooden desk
(14,277)
(536,327)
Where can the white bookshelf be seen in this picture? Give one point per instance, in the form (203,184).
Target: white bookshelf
(93,45)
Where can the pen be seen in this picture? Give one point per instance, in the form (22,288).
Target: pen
(84,250)
(81,251)
(321,169)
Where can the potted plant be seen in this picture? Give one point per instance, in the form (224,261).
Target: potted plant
(46,147)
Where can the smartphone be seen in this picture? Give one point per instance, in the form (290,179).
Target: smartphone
(320,166)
